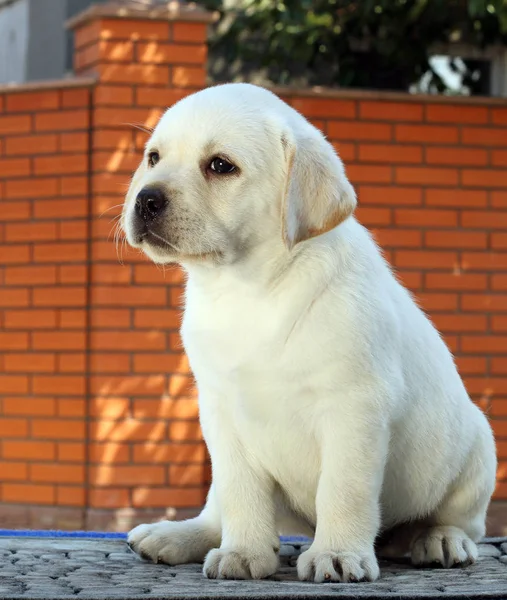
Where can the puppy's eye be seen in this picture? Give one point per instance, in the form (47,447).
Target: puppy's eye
(220,166)
(153,158)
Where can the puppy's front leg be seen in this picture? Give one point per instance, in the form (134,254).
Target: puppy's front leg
(353,454)
(245,495)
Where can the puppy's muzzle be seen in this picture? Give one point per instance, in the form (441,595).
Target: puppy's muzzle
(150,204)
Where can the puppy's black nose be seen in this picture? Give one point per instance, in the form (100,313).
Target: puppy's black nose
(150,202)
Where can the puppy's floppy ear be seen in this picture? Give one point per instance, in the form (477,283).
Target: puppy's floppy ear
(318,195)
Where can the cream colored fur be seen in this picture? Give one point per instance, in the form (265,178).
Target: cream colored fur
(329,403)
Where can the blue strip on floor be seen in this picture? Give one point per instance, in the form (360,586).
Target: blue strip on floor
(100,535)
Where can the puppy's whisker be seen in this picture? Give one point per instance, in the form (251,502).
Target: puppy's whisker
(110,208)
(162,239)
(145,128)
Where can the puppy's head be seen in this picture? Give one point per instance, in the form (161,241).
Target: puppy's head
(227,169)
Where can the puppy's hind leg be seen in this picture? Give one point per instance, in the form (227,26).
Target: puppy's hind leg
(178,542)
(460,520)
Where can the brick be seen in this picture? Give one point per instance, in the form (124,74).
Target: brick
(28,275)
(72,230)
(487,219)
(17,298)
(72,319)
(484,261)
(122,475)
(120,162)
(71,363)
(156,363)
(452,113)
(68,208)
(499,323)
(14,167)
(73,274)
(14,254)
(184,431)
(15,211)
(434,301)
(134,29)
(390,153)
(14,124)
(29,363)
(456,156)
(499,158)
(189,32)
(500,430)
(346,151)
(484,302)
(35,187)
(106,116)
(30,145)
(58,340)
(73,186)
(499,241)
(164,96)
(65,120)
(58,385)
(109,183)
(104,318)
(166,452)
(13,428)
(483,136)
(498,365)
(341,130)
(58,429)
(24,493)
(499,282)
(456,197)
(434,134)
(488,344)
(449,323)
(484,178)
(425,259)
(71,407)
(471,365)
(456,281)
(116,95)
(170,53)
(31,406)
(391,111)
(14,341)
(75,98)
(55,473)
(456,239)
(110,407)
(499,116)
(34,231)
(375,216)
(60,164)
(67,495)
(128,296)
(128,430)
(87,33)
(109,497)
(188,77)
(165,408)
(13,471)
(107,454)
(164,318)
(158,497)
(324,107)
(32,101)
(13,384)
(73,142)
(390,196)
(426,176)
(484,385)
(113,139)
(369,216)
(187,475)
(110,363)
(134,74)
(128,384)
(28,450)
(60,296)
(62,252)
(425,217)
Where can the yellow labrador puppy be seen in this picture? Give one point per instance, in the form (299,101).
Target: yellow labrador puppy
(329,403)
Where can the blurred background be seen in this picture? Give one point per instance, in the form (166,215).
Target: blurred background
(98,411)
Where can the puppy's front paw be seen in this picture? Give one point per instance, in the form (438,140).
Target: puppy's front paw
(240,564)
(329,566)
(172,542)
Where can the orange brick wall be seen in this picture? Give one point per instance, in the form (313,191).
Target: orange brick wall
(99,415)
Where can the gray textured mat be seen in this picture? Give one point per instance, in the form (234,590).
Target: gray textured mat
(70,568)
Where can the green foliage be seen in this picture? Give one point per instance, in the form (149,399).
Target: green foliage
(381,44)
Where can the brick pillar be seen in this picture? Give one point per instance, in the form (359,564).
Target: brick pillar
(146,452)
